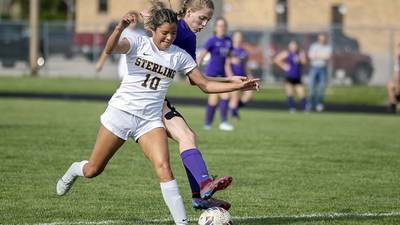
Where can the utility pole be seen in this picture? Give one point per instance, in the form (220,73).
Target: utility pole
(33,40)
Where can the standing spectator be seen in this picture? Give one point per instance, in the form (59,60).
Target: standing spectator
(319,54)
(238,63)
(393,86)
(219,46)
(292,61)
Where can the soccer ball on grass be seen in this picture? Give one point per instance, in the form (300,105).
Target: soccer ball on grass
(215,216)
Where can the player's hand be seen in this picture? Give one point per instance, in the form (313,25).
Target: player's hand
(251,84)
(130,17)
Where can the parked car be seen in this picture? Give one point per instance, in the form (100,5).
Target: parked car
(14,45)
(347,59)
(91,44)
(58,39)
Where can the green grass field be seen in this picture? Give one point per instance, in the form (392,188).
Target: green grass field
(287,168)
(369,95)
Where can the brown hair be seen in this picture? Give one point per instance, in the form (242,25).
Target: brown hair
(159,14)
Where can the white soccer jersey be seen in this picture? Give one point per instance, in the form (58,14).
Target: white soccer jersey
(150,73)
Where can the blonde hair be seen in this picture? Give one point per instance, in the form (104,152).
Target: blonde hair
(195,5)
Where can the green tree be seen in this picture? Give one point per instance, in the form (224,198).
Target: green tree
(49,9)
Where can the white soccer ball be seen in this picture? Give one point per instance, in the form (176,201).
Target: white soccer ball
(215,216)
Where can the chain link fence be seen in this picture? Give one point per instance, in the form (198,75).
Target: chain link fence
(361,55)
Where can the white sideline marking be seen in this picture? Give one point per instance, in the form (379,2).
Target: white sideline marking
(289,217)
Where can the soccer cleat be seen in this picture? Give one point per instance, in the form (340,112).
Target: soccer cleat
(64,184)
(225,126)
(199,203)
(210,186)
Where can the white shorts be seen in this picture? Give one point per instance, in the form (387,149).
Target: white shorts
(125,125)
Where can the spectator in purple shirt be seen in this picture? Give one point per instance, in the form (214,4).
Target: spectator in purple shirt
(238,63)
(219,47)
(292,61)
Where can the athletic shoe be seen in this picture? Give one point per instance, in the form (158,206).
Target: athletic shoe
(210,186)
(199,203)
(65,183)
(225,126)
(207,127)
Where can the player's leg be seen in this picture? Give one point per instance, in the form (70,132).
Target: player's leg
(210,110)
(106,145)
(233,104)
(246,98)
(312,82)
(192,159)
(290,98)
(155,148)
(223,107)
(323,81)
(302,95)
(391,92)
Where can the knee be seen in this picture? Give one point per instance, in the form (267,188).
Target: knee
(163,170)
(91,171)
(186,135)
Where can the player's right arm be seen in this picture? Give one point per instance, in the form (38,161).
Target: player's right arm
(113,44)
(210,86)
(280,60)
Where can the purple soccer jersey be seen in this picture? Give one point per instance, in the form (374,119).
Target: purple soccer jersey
(239,63)
(186,39)
(293,59)
(219,49)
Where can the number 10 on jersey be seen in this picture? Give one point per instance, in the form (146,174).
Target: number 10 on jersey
(151,82)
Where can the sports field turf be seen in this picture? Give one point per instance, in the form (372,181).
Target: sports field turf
(287,168)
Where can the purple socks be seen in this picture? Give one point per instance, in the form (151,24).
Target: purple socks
(196,169)
(290,101)
(210,111)
(223,107)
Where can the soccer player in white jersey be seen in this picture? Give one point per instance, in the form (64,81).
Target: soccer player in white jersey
(136,107)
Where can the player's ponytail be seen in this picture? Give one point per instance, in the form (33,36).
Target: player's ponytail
(160,14)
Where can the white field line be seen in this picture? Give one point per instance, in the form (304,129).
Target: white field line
(244,218)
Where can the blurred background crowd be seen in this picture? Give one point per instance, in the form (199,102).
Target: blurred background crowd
(363,35)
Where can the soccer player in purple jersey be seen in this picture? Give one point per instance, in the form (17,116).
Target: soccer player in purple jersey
(219,47)
(291,61)
(238,63)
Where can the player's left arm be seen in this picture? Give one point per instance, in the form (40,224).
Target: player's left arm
(211,86)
